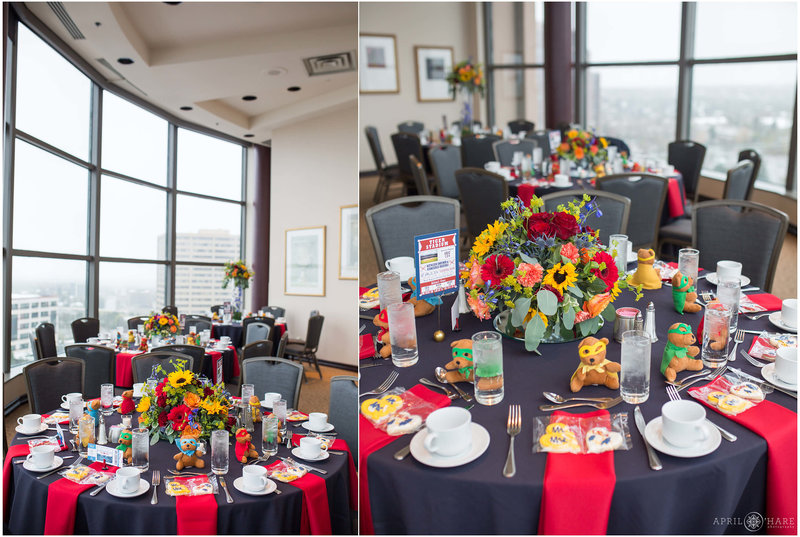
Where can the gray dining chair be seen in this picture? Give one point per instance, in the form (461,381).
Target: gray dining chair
(343,410)
(542,139)
(420,177)
(481,193)
(687,157)
(48,379)
(197,353)
(445,160)
(614,209)
(256,331)
(386,174)
(504,150)
(134,322)
(406,144)
(84,328)
(306,349)
(255,349)
(477,150)
(519,125)
(274,375)
(751,154)
(99,369)
(412,127)
(282,345)
(142,365)
(740,181)
(46,339)
(647,193)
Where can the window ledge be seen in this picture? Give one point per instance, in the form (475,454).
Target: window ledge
(760,185)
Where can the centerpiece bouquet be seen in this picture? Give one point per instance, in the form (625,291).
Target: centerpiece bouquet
(585,149)
(163,325)
(467,79)
(545,273)
(181,404)
(238,273)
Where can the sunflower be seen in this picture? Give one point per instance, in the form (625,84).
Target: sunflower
(560,276)
(180,378)
(488,237)
(213,407)
(144,405)
(531,313)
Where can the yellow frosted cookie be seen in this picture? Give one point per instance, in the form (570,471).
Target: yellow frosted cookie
(732,403)
(563,442)
(176,488)
(374,409)
(393,403)
(715,396)
(557,428)
(78,472)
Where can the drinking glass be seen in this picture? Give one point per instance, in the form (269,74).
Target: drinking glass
(85,434)
(75,413)
(389,288)
(248,390)
(487,356)
(269,436)
(729,292)
(688,262)
(219,452)
(279,411)
(634,382)
(107,398)
(403,334)
(140,448)
(716,332)
(619,247)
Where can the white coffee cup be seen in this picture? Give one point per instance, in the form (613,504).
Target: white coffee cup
(41,456)
(683,423)
(30,423)
(789,312)
(254,477)
(317,420)
(562,180)
(492,166)
(127,479)
(449,431)
(225,340)
(505,172)
(404,266)
(271,397)
(311,447)
(138,388)
(786,365)
(728,270)
(72,395)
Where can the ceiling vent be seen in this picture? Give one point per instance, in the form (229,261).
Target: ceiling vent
(69,24)
(331,63)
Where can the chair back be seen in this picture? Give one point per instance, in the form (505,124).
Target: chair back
(621,146)
(481,193)
(247,321)
(34,343)
(198,324)
(406,144)
(173,310)
(542,139)
(744,231)
(46,337)
(99,366)
(411,127)
(84,328)
(262,347)
(614,209)
(504,150)
(142,364)
(48,379)
(477,150)
(687,157)
(276,311)
(343,410)
(740,180)
(134,322)
(751,154)
(314,332)
(647,193)
(445,160)
(420,177)
(274,375)
(217,309)
(256,331)
(393,224)
(518,125)
(197,353)
(375,147)
(282,345)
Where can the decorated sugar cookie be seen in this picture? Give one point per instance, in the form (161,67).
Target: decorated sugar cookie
(176,488)
(732,404)
(403,423)
(392,402)
(374,409)
(748,390)
(557,428)
(563,442)
(288,474)
(600,439)
(715,396)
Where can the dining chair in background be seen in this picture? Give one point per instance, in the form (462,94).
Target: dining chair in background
(412,127)
(263,319)
(134,322)
(172,310)
(256,349)
(281,352)
(621,146)
(647,193)
(751,154)
(275,311)
(740,181)
(481,193)
(34,344)
(48,379)
(477,150)
(199,322)
(476,124)
(614,209)
(217,309)
(504,150)
(420,177)
(445,160)
(343,410)
(518,125)
(274,375)
(46,339)
(142,364)
(99,364)
(745,231)
(84,328)
(393,224)
(406,144)
(687,157)
(386,174)
(256,331)
(542,139)
(306,349)
(197,353)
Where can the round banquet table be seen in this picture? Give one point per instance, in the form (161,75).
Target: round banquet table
(706,495)
(106,514)
(123,372)
(234,331)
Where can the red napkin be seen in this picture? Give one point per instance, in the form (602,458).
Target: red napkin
(62,502)
(62,422)
(570,480)
(235,361)
(20,450)
(366,347)
(316,517)
(216,356)
(124,372)
(778,426)
(197,515)
(282,327)
(767,301)
(525,192)
(370,440)
(342,446)
(675,198)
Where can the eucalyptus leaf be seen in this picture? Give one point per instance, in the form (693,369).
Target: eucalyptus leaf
(521,307)
(547,301)
(585,327)
(610,313)
(574,291)
(528,259)
(154,439)
(534,332)
(568,318)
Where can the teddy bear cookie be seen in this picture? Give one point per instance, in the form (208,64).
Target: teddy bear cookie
(460,368)
(679,353)
(645,275)
(558,438)
(748,390)
(594,368)
(600,439)
(683,295)
(403,423)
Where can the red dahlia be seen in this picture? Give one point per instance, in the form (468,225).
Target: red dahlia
(610,274)
(496,268)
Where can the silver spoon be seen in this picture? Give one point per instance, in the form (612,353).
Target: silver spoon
(440,376)
(554,397)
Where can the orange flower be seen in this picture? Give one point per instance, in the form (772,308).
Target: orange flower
(564,147)
(586,255)
(578,153)
(478,307)
(192,400)
(570,252)
(593,150)
(595,305)
(173,328)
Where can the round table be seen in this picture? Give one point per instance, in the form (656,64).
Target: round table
(235,332)
(700,495)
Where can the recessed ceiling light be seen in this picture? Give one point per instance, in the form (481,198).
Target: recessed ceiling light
(277,71)
(125,61)
(97,23)
(173,3)
(293,88)
(187,108)
(249,98)
(249,135)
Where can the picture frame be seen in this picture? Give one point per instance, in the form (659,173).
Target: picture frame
(432,65)
(348,242)
(304,259)
(377,64)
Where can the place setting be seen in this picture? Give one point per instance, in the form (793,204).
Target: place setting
(31,424)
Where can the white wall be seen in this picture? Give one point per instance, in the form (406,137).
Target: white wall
(451,24)
(313,174)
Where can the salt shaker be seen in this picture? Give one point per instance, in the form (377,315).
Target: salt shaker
(102,438)
(650,322)
(638,324)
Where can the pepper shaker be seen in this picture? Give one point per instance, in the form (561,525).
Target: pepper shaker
(102,438)
(650,322)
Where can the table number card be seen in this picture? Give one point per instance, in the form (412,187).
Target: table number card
(106,454)
(436,263)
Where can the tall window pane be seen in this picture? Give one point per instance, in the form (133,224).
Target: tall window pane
(198,288)
(207,230)
(519,94)
(50,202)
(209,166)
(44,290)
(128,290)
(731,29)
(517,32)
(134,140)
(135,231)
(745,106)
(53,97)
(636,104)
(633,31)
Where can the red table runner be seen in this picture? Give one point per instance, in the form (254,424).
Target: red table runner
(577,489)
(20,450)
(675,199)
(197,515)
(778,426)
(371,440)
(341,445)
(316,517)
(62,502)
(124,370)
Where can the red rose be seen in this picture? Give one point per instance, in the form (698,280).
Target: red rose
(565,225)
(540,224)
(162,419)
(610,274)
(496,268)
(231,420)
(208,392)
(161,400)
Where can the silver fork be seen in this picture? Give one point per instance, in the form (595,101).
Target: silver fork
(738,337)
(384,386)
(155,479)
(513,427)
(714,374)
(707,296)
(756,316)
(673,394)
(752,360)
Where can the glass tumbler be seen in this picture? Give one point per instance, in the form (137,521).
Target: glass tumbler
(716,334)
(389,288)
(487,356)
(107,399)
(219,452)
(619,248)
(634,382)
(729,292)
(75,413)
(247,392)
(403,334)
(269,436)
(279,411)
(688,262)
(140,448)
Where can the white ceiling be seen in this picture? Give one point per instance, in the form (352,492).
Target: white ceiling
(208,55)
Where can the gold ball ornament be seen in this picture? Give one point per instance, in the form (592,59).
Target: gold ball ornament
(438,336)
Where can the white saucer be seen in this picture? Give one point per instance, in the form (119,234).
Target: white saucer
(144,486)
(238,484)
(653,434)
(297,452)
(328,427)
(57,461)
(775,318)
(768,372)
(712,279)
(42,428)
(65,406)
(480,443)
(632,257)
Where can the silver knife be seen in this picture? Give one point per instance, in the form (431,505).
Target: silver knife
(655,462)
(760,381)
(301,465)
(225,488)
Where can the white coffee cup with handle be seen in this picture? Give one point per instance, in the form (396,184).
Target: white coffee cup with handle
(786,365)
(72,395)
(789,312)
(449,431)
(310,447)
(562,179)
(492,166)
(30,423)
(271,397)
(403,265)
(683,423)
(127,480)
(317,420)
(41,456)
(254,477)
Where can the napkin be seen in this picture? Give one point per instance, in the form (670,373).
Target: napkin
(525,192)
(341,445)
(236,371)
(20,450)
(767,301)
(216,356)
(366,347)
(577,484)
(124,371)
(675,198)
(197,515)
(62,502)
(316,517)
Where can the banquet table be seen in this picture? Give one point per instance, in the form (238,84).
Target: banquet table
(123,370)
(235,332)
(711,494)
(249,514)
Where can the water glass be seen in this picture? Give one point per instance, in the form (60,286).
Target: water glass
(279,411)
(85,434)
(248,390)
(688,262)
(219,452)
(389,288)
(107,399)
(403,334)
(716,332)
(487,356)
(619,249)
(634,382)
(729,292)
(75,413)
(140,448)
(269,436)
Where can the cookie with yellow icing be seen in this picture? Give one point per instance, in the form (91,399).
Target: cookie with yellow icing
(732,404)
(177,488)
(557,427)
(561,442)
(715,396)
(374,409)
(393,402)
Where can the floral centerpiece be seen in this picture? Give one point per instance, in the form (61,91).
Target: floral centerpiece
(585,149)
(549,270)
(467,79)
(238,273)
(164,325)
(182,404)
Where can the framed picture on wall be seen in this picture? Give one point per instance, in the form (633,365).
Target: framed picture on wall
(348,242)
(305,261)
(432,66)
(377,64)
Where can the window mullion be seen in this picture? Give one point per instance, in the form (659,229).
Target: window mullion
(172,205)
(685,69)
(93,218)
(10,84)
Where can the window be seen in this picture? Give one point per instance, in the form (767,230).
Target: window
(731,29)
(133,220)
(128,290)
(209,166)
(632,32)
